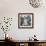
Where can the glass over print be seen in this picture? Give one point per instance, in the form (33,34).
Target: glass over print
(25,20)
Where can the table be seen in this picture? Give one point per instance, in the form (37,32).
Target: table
(27,42)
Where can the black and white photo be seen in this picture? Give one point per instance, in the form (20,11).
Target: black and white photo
(25,20)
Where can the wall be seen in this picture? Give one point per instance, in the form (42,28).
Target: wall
(11,8)
(45,28)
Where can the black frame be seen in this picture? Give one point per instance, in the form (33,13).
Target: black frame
(31,20)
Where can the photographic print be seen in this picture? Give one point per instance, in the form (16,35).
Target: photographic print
(25,20)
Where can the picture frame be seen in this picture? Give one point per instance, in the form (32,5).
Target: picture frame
(25,20)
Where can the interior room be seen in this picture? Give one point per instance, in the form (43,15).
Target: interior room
(22,22)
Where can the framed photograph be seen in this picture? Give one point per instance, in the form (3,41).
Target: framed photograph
(25,20)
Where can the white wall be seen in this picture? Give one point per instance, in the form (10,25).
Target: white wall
(45,28)
(11,8)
